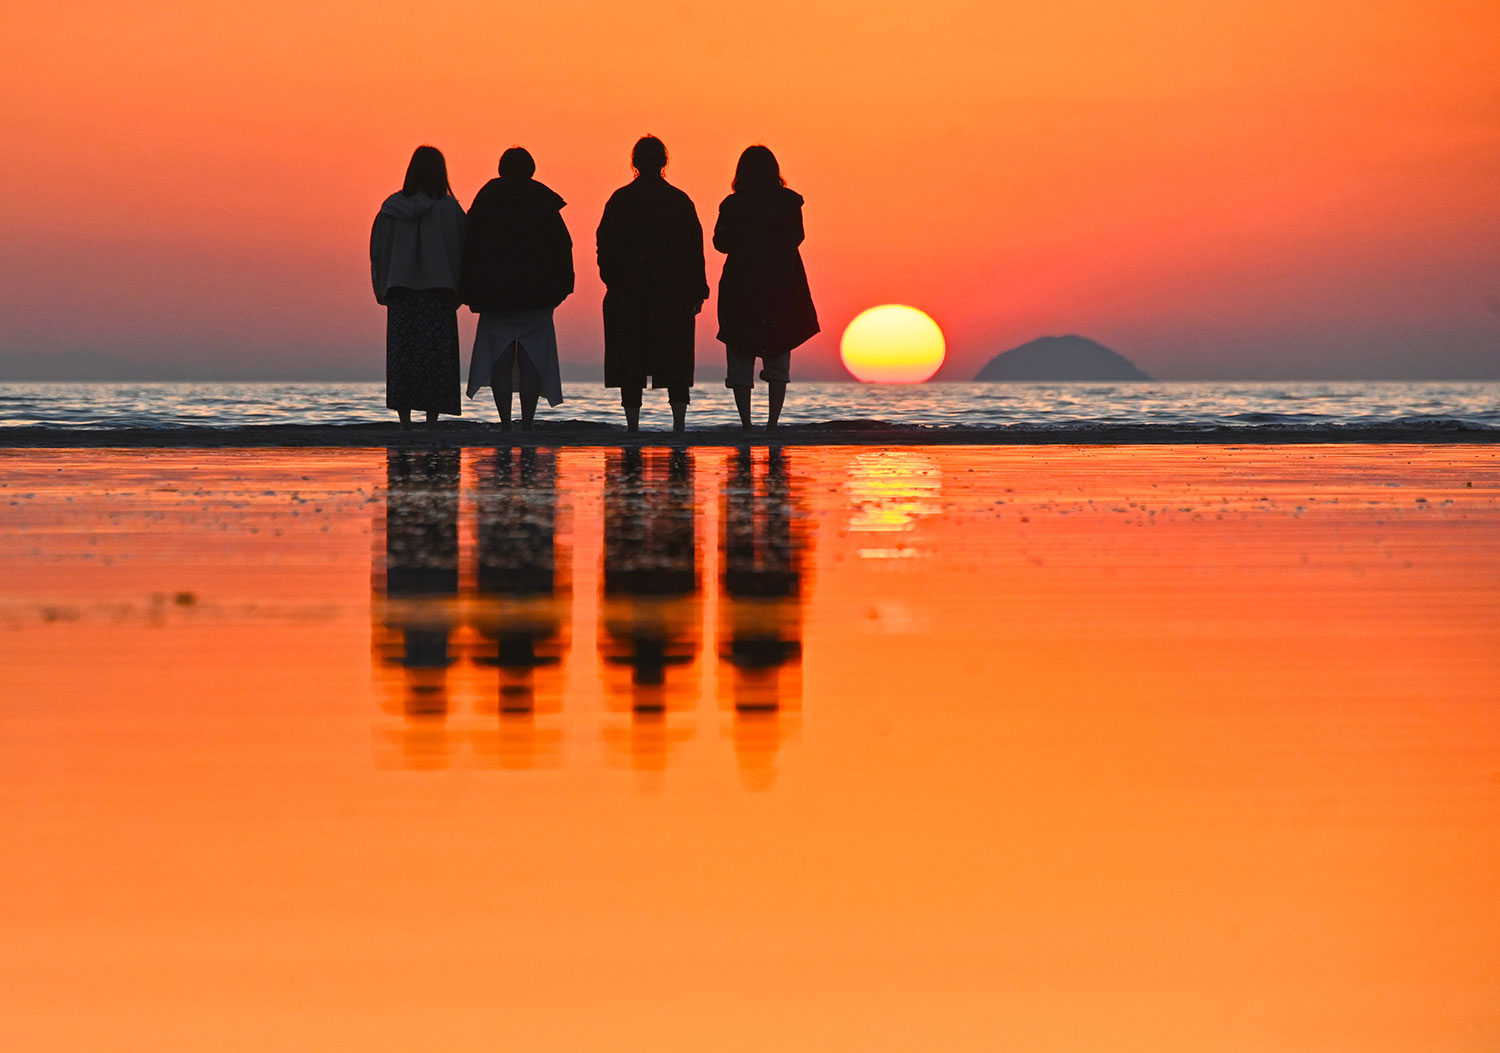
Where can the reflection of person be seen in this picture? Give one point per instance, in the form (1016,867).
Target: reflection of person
(416,246)
(517,267)
(762,580)
(651,259)
(517,580)
(651,582)
(421,570)
(765,307)
(760,614)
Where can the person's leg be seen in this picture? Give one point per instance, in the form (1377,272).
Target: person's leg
(678,396)
(776,394)
(500,384)
(405,416)
(739,377)
(776,371)
(531,388)
(432,419)
(630,402)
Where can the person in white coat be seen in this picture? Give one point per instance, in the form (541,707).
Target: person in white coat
(416,251)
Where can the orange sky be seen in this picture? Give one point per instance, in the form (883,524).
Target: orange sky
(1243,189)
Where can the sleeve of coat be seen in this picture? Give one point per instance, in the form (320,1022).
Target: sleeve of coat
(606,242)
(460,228)
(468,270)
(381,235)
(699,264)
(562,262)
(723,232)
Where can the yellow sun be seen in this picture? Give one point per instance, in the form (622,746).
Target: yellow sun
(892,344)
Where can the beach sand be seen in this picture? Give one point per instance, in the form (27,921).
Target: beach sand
(1137,747)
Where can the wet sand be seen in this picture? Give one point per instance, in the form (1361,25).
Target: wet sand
(1139,748)
(571,433)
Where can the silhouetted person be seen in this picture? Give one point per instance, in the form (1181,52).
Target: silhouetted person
(765,307)
(649,611)
(651,259)
(523,597)
(416,248)
(517,268)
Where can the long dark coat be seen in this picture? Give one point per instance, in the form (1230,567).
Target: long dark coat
(765,306)
(517,254)
(651,259)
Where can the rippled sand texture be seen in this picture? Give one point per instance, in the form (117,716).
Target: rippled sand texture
(1166,748)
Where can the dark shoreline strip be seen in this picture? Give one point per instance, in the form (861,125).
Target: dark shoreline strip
(831,433)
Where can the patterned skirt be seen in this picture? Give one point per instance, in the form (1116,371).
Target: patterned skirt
(421,351)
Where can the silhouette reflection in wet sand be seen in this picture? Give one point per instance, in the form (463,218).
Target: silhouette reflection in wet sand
(650,608)
(763,540)
(472,608)
(417,593)
(522,598)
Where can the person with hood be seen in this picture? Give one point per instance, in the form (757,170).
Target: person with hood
(517,268)
(765,306)
(651,259)
(416,248)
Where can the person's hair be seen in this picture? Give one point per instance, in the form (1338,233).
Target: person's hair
(427,174)
(518,162)
(757,170)
(648,155)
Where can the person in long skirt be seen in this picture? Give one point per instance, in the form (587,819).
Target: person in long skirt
(651,259)
(518,266)
(765,306)
(416,250)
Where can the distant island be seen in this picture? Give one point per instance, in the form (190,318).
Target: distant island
(1053,358)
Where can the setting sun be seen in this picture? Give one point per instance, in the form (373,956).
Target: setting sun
(892,344)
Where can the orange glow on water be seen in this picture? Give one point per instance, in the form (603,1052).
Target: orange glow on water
(944,743)
(892,344)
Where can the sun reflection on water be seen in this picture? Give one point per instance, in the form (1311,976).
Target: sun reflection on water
(889,490)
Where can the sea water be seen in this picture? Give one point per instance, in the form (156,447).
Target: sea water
(1420,406)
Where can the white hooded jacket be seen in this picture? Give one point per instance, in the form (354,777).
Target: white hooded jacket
(417,242)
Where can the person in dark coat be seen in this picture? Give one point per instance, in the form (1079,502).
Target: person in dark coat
(765,306)
(651,259)
(517,268)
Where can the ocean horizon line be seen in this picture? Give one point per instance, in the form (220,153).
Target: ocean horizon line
(217,378)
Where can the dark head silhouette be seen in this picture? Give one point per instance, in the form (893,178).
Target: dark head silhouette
(427,174)
(517,163)
(757,170)
(649,156)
